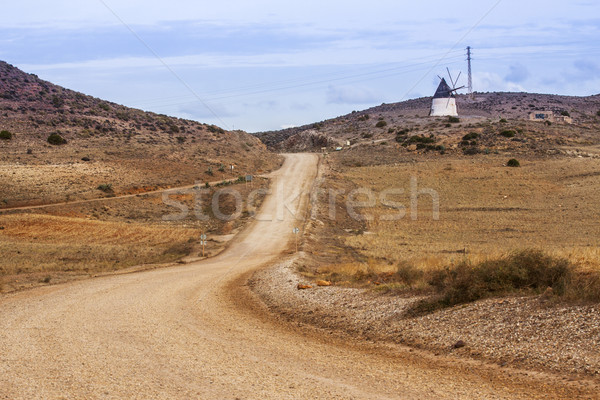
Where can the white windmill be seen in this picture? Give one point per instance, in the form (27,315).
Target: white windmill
(444,99)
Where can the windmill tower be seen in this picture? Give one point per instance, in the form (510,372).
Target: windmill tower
(444,99)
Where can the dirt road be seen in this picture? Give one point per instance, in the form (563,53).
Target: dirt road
(183,333)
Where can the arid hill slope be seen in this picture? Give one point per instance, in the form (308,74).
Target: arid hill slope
(106,144)
(487,114)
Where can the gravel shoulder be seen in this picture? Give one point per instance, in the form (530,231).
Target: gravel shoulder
(518,332)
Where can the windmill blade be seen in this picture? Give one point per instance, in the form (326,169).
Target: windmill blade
(451,80)
(457,78)
(440,78)
(458,88)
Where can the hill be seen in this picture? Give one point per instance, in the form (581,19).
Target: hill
(495,122)
(62,145)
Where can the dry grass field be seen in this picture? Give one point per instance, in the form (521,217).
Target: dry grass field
(58,243)
(486,211)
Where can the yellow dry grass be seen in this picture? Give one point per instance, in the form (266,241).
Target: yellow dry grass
(33,243)
(486,210)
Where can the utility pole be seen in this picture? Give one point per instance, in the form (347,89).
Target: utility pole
(469,72)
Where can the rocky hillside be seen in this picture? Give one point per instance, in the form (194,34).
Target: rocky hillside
(50,133)
(494,120)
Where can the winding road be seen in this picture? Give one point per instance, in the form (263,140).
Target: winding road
(189,332)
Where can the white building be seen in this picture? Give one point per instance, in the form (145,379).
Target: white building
(444,101)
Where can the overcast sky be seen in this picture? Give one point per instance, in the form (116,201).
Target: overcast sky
(265,64)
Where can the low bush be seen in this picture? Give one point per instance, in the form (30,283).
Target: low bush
(453,120)
(420,139)
(56,140)
(5,135)
(508,133)
(513,162)
(106,187)
(471,136)
(381,124)
(470,151)
(526,271)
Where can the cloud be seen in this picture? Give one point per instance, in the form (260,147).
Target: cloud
(351,95)
(200,112)
(517,73)
(490,82)
(587,69)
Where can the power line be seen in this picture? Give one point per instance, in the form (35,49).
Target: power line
(151,50)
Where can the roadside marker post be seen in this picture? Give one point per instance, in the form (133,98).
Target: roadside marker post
(295,231)
(203,242)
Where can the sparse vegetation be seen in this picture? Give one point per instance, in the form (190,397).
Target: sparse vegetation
(527,271)
(508,133)
(56,140)
(470,136)
(5,135)
(513,162)
(453,120)
(106,187)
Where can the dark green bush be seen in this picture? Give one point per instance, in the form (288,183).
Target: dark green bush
(508,133)
(513,162)
(56,140)
(470,151)
(453,120)
(5,135)
(471,136)
(420,139)
(565,113)
(381,124)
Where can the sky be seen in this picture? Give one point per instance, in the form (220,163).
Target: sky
(265,65)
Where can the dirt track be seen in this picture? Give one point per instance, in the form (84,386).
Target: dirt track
(188,332)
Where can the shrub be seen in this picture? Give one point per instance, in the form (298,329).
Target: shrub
(471,136)
(5,135)
(525,271)
(381,124)
(209,171)
(598,113)
(470,151)
(57,101)
(364,117)
(104,106)
(508,133)
(513,162)
(503,120)
(453,120)
(56,140)
(106,187)
(420,139)
(86,159)
(565,113)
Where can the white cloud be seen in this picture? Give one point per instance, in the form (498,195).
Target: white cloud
(352,95)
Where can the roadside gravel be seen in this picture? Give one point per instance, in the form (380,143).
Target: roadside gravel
(520,332)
